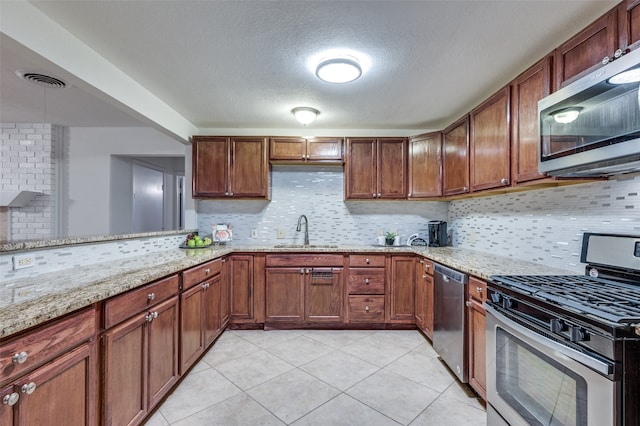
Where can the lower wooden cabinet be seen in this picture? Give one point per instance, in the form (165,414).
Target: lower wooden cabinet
(140,363)
(477,335)
(284,293)
(241,291)
(61,392)
(424,296)
(400,297)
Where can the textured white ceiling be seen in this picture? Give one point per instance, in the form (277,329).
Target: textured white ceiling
(246,64)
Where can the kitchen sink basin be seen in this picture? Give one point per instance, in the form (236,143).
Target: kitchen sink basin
(303,246)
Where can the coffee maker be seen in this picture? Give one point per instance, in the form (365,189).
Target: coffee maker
(437,233)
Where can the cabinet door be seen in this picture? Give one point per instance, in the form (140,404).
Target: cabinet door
(249,175)
(65,391)
(324,150)
(191,314)
(490,152)
(284,294)
(125,372)
(241,276)
(210,164)
(224,294)
(425,166)
(477,348)
(163,350)
(400,297)
(360,169)
(287,149)
(584,52)
(323,295)
(455,165)
(629,24)
(428,318)
(211,310)
(421,295)
(392,168)
(527,89)
(6,410)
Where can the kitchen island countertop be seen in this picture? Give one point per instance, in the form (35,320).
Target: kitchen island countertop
(28,302)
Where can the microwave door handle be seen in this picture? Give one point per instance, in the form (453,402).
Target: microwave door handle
(591,362)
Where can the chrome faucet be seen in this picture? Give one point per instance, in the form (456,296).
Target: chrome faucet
(306,228)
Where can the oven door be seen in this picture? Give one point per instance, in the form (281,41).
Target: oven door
(532,380)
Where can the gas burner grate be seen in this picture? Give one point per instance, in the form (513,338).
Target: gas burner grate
(611,300)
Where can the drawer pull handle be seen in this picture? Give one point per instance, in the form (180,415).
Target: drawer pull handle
(151,296)
(11,399)
(28,388)
(479,289)
(20,358)
(366,308)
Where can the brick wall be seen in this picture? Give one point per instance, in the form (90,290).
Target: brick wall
(27,160)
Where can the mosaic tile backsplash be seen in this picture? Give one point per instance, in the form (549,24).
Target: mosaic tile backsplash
(318,193)
(546,226)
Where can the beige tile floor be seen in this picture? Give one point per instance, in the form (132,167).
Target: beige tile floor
(320,377)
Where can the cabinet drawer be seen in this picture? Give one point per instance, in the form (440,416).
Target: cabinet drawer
(477,289)
(366,281)
(197,274)
(362,260)
(46,343)
(366,308)
(305,260)
(119,308)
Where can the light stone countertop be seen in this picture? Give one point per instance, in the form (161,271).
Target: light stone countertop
(27,302)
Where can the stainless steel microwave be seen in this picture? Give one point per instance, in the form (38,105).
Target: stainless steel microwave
(591,127)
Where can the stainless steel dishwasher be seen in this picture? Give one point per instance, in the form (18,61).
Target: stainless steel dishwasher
(449,338)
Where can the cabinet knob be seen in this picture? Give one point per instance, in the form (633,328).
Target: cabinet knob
(421,261)
(618,53)
(226,193)
(11,399)
(379,195)
(479,289)
(224,260)
(20,357)
(28,388)
(151,296)
(231,194)
(427,266)
(374,195)
(465,189)
(467,303)
(302,270)
(206,271)
(366,260)
(504,181)
(424,276)
(366,308)
(308,156)
(366,280)
(151,316)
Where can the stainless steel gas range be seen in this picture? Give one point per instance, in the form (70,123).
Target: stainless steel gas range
(565,350)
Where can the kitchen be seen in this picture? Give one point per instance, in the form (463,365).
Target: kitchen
(552,219)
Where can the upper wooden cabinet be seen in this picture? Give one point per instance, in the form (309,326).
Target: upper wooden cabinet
(230,167)
(455,165)
(425,166)
(306,151)
(490,144)
(585,51)
(629,23)
(526,90)
(375,168)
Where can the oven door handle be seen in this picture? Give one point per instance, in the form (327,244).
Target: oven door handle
(593,363)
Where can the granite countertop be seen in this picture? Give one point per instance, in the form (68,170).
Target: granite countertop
(27,302)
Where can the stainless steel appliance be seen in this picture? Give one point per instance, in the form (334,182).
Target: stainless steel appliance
(565,350)
(437,233)
(449,338)
(591,127)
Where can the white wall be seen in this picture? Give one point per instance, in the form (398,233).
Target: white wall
(88,152)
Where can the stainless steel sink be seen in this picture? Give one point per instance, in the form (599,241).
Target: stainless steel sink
(303,246)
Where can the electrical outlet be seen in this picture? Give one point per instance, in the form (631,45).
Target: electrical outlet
(23,261)
(254,233)
(280,234)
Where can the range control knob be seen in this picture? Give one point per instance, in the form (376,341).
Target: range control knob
(495,297)
(557,325)
(578,334)
(508,303)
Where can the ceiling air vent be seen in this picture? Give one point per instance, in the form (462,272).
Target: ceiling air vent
(43,80)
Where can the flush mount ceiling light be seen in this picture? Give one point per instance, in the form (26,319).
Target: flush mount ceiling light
(629,76)
(567,115)
(340,69)
(305,115)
